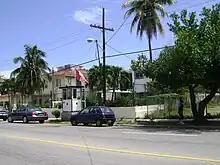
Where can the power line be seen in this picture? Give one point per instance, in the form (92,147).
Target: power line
(120,54)
(87,52)
(68,43)
(117,50)
(65,37)
(117,30)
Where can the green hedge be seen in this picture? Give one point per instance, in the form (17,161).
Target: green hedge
(137,100)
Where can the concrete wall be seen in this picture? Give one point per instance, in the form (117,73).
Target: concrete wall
(125,112)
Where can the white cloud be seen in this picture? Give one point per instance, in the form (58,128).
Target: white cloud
(89,15)
(6,74)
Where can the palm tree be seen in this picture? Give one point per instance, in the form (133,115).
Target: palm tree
(118,78)
(146,17)
(33,73)
(95,78)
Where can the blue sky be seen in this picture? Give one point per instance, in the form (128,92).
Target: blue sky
(42,22)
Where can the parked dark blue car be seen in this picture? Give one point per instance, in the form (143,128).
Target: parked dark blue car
(98,115)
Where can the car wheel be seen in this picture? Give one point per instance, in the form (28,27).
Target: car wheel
(10,119)
(85,124)
(98,123)
(73,122)
(111,124)
(25,120)
(41,121)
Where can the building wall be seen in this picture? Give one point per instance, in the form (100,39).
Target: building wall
(140,83)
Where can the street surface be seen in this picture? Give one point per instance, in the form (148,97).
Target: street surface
(47,144)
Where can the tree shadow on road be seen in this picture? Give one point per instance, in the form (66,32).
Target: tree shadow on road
(179,130)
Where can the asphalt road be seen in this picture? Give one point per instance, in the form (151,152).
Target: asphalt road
(35,144)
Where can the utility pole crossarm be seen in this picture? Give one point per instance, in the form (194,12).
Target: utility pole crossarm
(100,27)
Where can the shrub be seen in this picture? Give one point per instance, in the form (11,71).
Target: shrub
(171,114)
(58,105)
(45,105)
(92,99)
(56,113)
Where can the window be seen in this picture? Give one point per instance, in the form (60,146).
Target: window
(58,82)
(107,110)
(74,93)
(32,109)
(69,93)
(23,109)
(64,94)
(78,83)
(138,75)
(69,79)
(85,111)
(96,110)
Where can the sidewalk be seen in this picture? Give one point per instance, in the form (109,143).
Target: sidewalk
(175,123)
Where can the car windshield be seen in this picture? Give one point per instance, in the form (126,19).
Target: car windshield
(3,110)
(107,110)
(34,109)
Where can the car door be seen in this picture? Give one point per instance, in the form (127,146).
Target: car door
(21,113)
(14,114)
(83,116)
(94,114)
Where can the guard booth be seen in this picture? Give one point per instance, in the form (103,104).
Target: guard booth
(73,99)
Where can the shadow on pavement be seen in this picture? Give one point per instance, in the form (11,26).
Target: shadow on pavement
(178,130)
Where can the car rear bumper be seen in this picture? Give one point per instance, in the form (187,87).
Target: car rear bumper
(31,118)
(107,120)
(4,117)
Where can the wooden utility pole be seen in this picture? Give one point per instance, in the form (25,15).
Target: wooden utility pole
(52,91)
(103,28)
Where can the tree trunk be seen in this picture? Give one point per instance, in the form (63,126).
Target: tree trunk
(9,102)
(22,99)
(113,93)
(193,101)
(150,49)
(205,101)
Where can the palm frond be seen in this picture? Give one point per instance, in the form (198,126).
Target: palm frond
(166,2)
(18,59)
(158,7)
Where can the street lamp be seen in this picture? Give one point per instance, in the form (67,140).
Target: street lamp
(90,40)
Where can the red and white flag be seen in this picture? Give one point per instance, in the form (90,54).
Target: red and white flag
(81,77)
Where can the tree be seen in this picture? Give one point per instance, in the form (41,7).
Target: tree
(146,17)
(33,73)
(8,86)
(95,77)
(116,78)
(195,59)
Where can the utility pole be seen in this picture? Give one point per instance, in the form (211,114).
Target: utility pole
(52,91)
(103,28)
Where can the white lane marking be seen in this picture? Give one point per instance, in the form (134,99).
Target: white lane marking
(160,134)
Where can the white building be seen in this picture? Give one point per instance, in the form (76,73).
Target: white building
(140,82)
